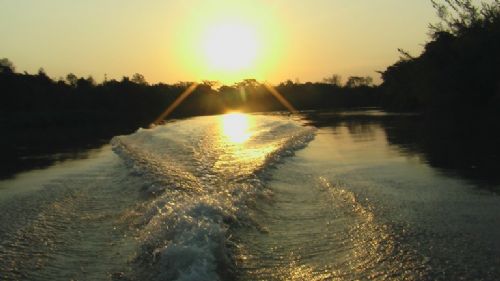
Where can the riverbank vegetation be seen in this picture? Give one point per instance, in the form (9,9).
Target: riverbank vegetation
(454,83)
(459,68)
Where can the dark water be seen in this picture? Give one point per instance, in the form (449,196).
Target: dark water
(320,196)
(26,148)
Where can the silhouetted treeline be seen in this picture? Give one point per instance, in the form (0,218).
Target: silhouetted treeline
(459,69)
(250,95)
(42,117)
(37,100)
(456,80)
(455,83)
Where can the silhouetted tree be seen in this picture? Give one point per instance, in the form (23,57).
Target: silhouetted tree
(72,79)
(83,84)
(115,107)
(43,75)
(459,68)
(125,79)
(139,79)
(405,55)
(6,66)
(247,83)
(458,16)
(211,83)
(91,80)
(335,79)
(358,81)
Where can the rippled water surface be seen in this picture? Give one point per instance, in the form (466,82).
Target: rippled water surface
(251,197)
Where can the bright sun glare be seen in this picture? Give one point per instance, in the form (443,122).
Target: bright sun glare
(230,46)
(236,127)
(228,41)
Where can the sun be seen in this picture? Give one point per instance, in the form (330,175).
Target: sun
(228,41)
(230,47)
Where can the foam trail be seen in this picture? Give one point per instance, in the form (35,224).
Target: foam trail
(200,185)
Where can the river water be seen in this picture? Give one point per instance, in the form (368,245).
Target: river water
(252,197)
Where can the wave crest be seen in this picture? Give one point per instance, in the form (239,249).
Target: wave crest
(202,188)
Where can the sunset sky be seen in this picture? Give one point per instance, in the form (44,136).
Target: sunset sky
(191,40)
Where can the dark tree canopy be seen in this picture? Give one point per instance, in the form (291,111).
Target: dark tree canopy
(139,79)
(334,79)
(358,81)
(458,69)
(6,66)
(72,79)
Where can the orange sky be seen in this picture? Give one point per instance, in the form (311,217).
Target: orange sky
(167,40)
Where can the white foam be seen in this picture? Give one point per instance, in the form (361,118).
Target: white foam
(202,189)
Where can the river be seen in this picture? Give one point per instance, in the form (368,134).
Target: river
(311,196)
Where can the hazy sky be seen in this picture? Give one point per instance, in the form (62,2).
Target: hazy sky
(162,40)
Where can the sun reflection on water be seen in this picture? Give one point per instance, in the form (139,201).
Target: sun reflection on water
(235,127)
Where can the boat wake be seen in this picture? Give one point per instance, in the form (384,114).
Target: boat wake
(200,177)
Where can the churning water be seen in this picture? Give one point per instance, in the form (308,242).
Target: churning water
(248,197)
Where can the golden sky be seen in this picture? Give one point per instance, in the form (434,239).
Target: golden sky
(191,40)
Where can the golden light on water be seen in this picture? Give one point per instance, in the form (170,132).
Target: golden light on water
(233,121)
(236,127)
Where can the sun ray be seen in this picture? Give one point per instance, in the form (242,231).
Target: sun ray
(280,98)
(176,103)
(193,87)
